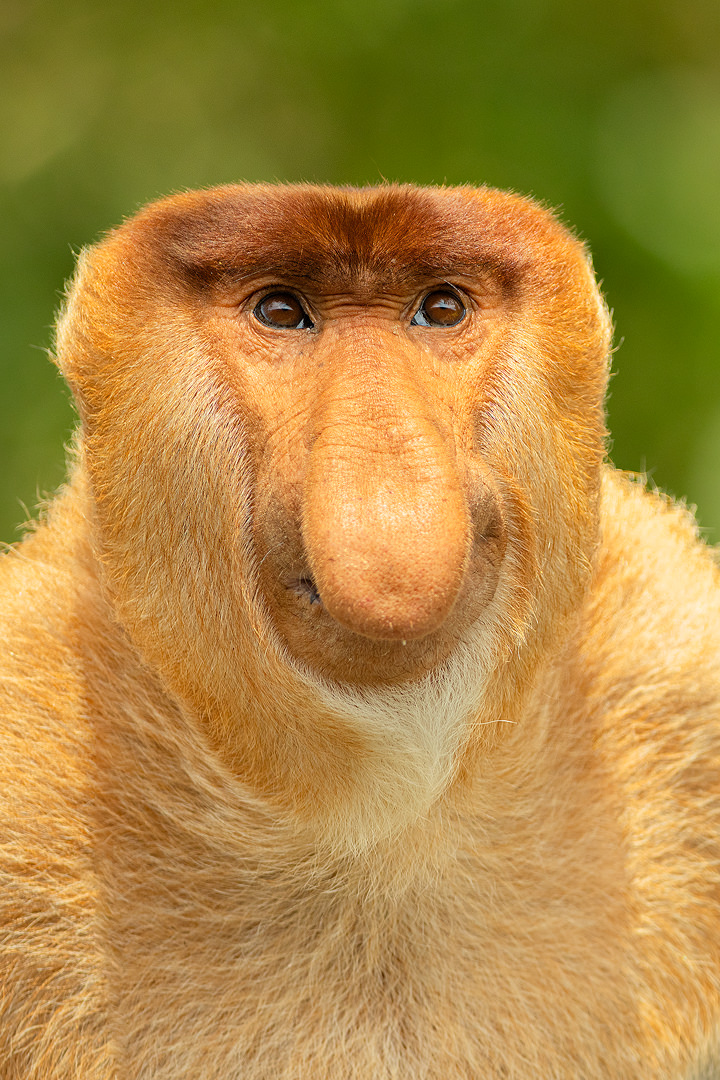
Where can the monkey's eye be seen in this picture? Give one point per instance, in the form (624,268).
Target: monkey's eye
(284,311)
(441,307)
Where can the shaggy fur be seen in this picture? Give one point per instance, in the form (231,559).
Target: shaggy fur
(359,723)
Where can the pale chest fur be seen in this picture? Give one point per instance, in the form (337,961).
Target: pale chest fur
(238,952)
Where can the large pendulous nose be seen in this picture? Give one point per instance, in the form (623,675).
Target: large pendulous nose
(385,522)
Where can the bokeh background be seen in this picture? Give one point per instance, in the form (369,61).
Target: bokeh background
(607,110)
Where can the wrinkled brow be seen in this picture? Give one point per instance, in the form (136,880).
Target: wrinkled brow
(392,238)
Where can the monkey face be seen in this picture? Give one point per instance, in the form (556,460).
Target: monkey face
(351,409)
(378,531)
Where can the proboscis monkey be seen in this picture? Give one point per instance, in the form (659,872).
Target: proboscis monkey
(358,723)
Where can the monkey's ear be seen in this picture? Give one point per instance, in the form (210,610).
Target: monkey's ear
(73,345)
(67,325)
(107,314)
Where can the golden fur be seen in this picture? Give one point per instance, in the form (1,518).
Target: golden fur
(358,722)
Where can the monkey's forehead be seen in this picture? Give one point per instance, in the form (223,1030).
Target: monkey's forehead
(394,234)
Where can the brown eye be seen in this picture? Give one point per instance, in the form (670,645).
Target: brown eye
(442,307)
(284,311)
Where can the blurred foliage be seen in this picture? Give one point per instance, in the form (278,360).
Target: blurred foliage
(607,110)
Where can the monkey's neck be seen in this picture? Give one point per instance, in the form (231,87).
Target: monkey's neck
(350,770)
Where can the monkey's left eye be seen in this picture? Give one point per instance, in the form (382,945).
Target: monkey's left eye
(283,311)
(441,307)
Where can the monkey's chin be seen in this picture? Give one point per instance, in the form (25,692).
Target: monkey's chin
(333,652)
(340,655)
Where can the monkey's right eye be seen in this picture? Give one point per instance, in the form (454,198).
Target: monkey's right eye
(283,311)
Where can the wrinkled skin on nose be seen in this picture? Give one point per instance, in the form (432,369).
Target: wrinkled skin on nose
(385,522)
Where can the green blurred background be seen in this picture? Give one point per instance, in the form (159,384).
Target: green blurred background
(607,110)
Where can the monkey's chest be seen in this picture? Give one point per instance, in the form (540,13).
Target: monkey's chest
(269,985)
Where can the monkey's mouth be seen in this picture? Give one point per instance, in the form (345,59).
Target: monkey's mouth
(307,589)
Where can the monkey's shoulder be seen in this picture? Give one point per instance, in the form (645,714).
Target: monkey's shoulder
(656,580)
(649,653)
